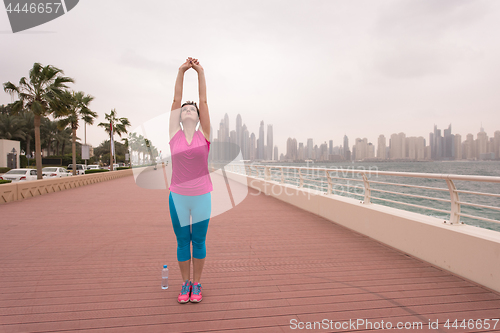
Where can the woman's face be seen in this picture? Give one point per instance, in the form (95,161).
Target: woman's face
(188,112)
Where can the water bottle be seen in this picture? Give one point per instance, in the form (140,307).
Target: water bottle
(164,277)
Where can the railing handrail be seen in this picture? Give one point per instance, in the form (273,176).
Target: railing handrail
(443,176)
(455,209)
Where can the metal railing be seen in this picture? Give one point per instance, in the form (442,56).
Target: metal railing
(333,182)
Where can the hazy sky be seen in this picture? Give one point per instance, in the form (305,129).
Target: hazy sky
(312,69)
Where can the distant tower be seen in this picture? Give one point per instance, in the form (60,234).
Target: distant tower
(252,154)
(310,148)
(260,147)
(239,131)
(244,142)
(269,142)
(381,147)
(226,125)
(481,143)
(347,154)
(449,144)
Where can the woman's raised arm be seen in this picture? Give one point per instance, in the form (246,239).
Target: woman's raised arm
(175,114)
(203,106)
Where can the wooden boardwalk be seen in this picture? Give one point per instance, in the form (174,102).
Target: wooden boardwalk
(90,259)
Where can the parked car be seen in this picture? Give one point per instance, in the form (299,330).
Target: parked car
(18,175)
(114,166)
(55,172)
(93,167)
(80,168)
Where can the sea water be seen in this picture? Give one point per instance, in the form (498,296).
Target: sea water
(477,168)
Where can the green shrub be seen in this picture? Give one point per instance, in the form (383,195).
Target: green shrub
(95,171)
(23,161)
(122,168)
(4,181)
(4,170)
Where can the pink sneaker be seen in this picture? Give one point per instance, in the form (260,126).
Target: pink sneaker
(196,293)
(185,292)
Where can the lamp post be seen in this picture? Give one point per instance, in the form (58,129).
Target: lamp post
(14,151)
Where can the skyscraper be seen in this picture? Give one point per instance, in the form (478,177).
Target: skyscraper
(481,143)
(381,147)
(496,145)
(437,144)
(260,142)
(245,142)
(291,149)
(323,152)
(226,125)
(239,131)
(309,148)
(458,147)
(252,153)
(469,147)
(347,153)
(449,144)
(269,142)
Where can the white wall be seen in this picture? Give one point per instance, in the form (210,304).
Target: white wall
(6,148)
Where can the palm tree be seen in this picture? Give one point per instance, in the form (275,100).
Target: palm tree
(65,136)
(132,145)
(62,137)
(29,129)
(119,126)
(42,95)
(48,132)
(11,127)
(78,108)
(127,149)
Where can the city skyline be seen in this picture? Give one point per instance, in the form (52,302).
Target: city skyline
(395,146)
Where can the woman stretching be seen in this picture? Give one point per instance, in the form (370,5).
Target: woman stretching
(191,185)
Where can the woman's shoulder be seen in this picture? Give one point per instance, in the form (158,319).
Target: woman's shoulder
(203,134)
(172,136)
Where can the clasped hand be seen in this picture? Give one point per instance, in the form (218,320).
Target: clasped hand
(191,63)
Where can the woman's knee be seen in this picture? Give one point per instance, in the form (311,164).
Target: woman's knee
(183,252)
(199,237)
(199,250)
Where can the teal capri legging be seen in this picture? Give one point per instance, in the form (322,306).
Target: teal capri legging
(200,208)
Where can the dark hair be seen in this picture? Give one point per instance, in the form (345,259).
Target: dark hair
(192,103)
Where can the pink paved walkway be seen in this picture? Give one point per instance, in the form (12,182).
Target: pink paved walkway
(90,259)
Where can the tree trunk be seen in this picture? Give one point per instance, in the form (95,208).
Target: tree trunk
(38,147)
(73,146)
(28,151)
(110,154)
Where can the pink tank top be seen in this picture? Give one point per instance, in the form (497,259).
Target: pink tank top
(190,174)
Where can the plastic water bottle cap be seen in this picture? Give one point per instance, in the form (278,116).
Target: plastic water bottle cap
(164,266)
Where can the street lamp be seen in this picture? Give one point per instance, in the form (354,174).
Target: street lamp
(14,151)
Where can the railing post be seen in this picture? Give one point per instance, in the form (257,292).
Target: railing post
(329,178)
(455,205)
(367,190)
(267,173)
(301,179)
(282,176)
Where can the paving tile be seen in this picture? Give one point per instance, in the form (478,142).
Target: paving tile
(89,260)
